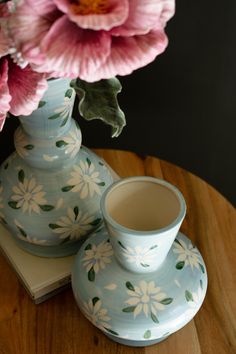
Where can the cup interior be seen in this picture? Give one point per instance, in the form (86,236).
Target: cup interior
(143,205)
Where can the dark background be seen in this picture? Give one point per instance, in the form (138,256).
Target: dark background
(182,107)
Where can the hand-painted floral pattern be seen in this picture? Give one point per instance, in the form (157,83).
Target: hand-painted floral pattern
(28,195)
(187,255)
(2,218)
(85,180)
(74,225)
(96,314)
(21,143)
(97,257)
(23,235)
(138,255)
(71,142)
(195,299)
(146,298)
(64,111)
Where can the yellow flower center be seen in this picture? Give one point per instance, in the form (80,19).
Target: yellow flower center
(90,7)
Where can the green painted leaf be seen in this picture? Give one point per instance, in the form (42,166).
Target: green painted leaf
(100,163)
(21,176)
(121,245)
(65,240)
(46,207)
(54,226)
(98,100)
(147,334)
(88,161)
(69,93)
(76,212)
(29,147)
(166,301)
(201,284)
(2,220)
(153,247)
(41,104)
(91,274)
(129,309)
(154,318)
(67,188)
(129,286)
(54,116)
(95,300)
(180,265)
(64,121)
(144,265)
(202,268)
(95,222)
(88,247)
(188,295)
(61,143)
(111,331)
(177,241)
(102,184)
(23,233)
(13,205)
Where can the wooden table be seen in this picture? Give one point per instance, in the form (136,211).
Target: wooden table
(57,326)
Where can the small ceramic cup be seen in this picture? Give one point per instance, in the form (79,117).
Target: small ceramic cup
(143,216)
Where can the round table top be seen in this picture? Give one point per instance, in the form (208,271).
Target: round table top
(57,326)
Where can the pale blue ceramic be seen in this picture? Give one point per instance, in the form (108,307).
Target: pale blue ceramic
(50,188)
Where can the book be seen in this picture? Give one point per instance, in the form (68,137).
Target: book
(41,277)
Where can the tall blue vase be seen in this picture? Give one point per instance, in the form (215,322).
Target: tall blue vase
(50,187)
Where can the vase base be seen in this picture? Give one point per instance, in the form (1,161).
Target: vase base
(57,251)
(135,343)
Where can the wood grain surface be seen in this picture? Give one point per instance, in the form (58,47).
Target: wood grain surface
(57,326)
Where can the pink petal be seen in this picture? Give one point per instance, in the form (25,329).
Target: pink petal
(26,88)
(83,50)
(145,15)
(4,47)
(130,53)
(5,96)
(116,15)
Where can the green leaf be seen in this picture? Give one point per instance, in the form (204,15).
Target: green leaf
(54,226)
(129,309)
(111,331)
(121,245)
(54,116)
(102,184)
(61,143)
(41,104)
(180,265)
(153,247)
(95,300)
(166,301)
(98,100)
(21,176)
(202,268)
(147,334)
(154,318)
(65,240)
(67,188)
(188,295)
(23,233)
(13,205)
(64,121)
(129,286)
(91,274)
(95,222)
(145,265)
(177,241)
(100,163)
(76,212)
(46,207)
(29,147)
(88,247)
(2,220)
(88,161)
(201,284)
(69,93)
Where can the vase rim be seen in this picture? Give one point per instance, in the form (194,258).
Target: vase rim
(177,221)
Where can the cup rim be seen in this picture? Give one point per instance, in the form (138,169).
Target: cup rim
(160,181)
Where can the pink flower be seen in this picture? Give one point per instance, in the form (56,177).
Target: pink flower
(20,89)
(90,39)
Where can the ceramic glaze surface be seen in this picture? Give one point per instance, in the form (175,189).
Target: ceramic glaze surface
(50,188)
(138,309)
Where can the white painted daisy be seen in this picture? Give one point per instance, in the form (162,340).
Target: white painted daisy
(96,314)
(139,256)
(73,141)
(23,236)
(74,225)
(146,298)
(97,256)
(21,143)
(187,254)
(28,196)
(85,179)
(66,108)
(195,299)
